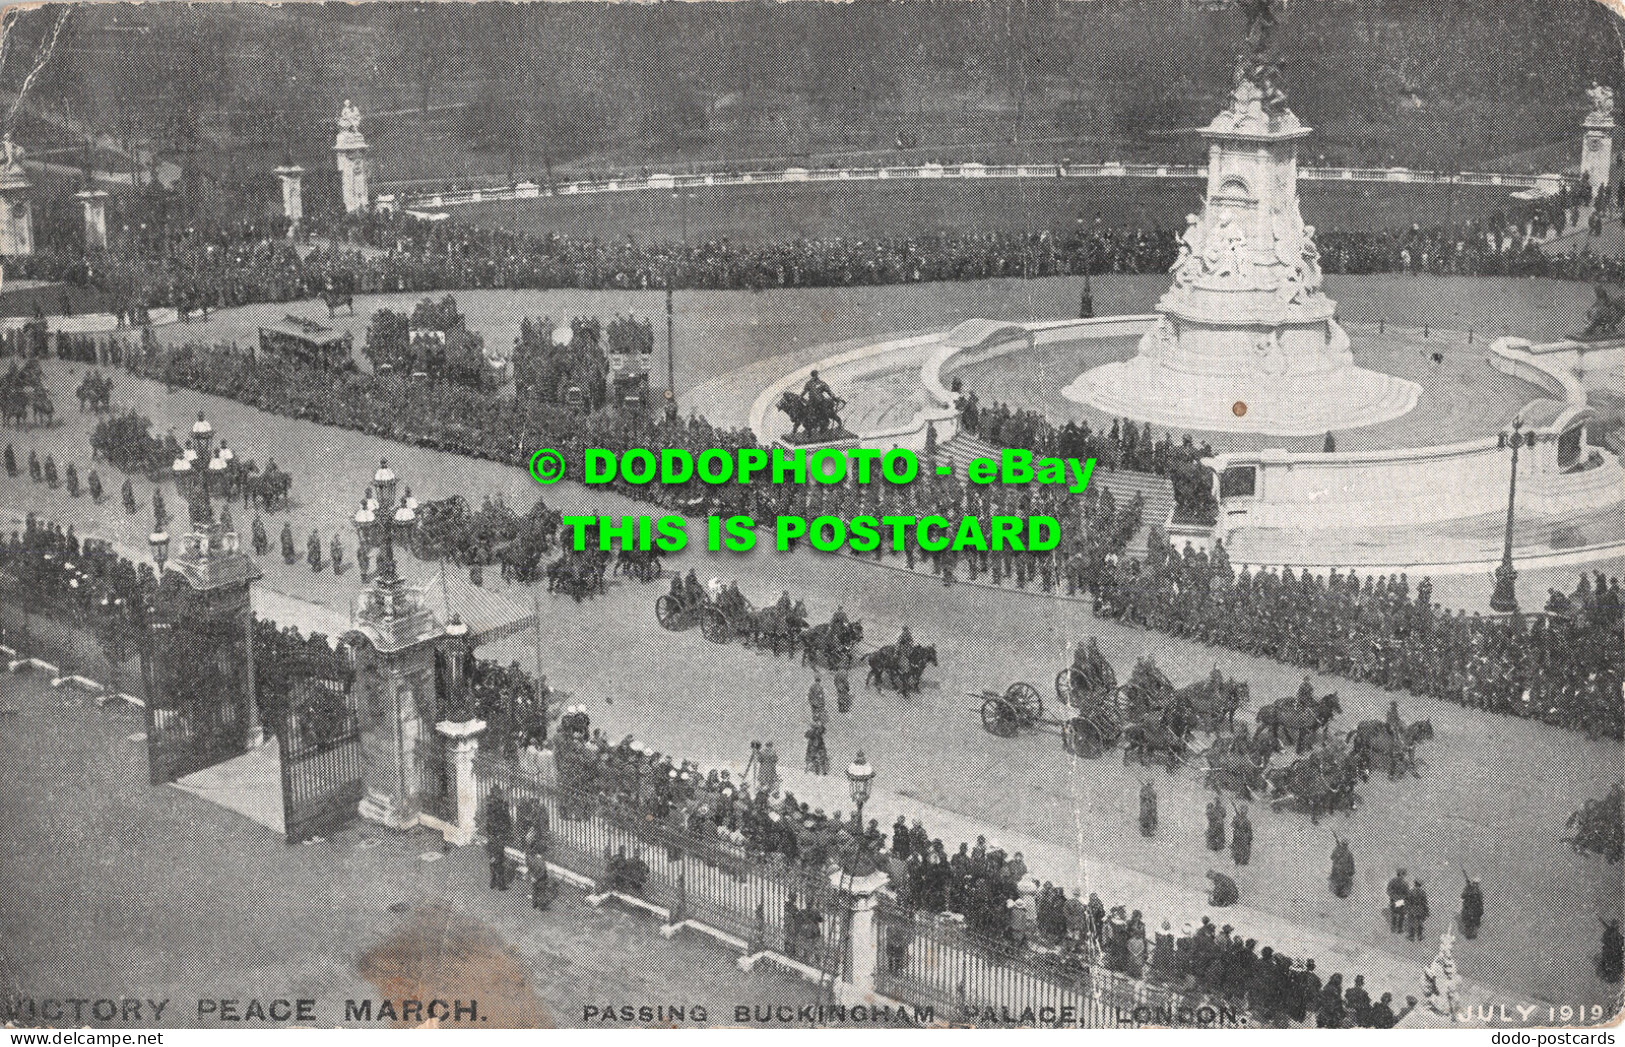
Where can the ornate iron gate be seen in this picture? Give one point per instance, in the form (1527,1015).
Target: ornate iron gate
(197,692)
(319,732)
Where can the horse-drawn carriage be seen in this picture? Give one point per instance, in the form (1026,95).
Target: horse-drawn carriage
(1091,732)
(677,615)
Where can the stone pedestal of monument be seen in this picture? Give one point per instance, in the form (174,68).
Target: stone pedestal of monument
(1597,157)
(94,202)
(350,149)
(1247,342)
(16,211)
(293,203)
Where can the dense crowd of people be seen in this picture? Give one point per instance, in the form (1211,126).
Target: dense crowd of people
(172,262)
(979,887)
(1565,667)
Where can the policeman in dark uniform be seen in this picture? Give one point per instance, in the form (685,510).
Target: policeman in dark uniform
(262,542)
(1399,891)
(1241,837)
(289,555)
(1342,878)
(1472,907)
(1148,810)
(843,690)
(313,551)
(336,554)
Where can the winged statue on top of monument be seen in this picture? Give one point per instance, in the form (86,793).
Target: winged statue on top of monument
(1261,23)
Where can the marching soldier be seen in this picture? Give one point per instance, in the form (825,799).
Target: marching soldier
(73,481)
(1215,824)
(1148,810)
(127,495)
(1472,907)
(1342,878)
(1241,837)
(262,542)
(50,472)
(11,462)
(1416,912)
(336,553)
(313,551)
(160,514)
(289,555)
(94,483)
(34,472)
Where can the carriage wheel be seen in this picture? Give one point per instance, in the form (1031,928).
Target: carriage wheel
(999,717)
(1068,682)
(1027,700)
(667,612)
(714,627)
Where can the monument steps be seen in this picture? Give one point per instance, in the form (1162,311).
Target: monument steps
(1158,491)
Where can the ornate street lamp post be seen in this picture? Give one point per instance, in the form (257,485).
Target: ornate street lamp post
(859,777)
(1505,599)
(378,523)
(159,543)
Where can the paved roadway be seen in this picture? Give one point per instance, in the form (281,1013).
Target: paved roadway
(114,890)
(1493,799)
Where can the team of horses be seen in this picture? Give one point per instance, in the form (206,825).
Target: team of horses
(23,392)
(1157,723)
